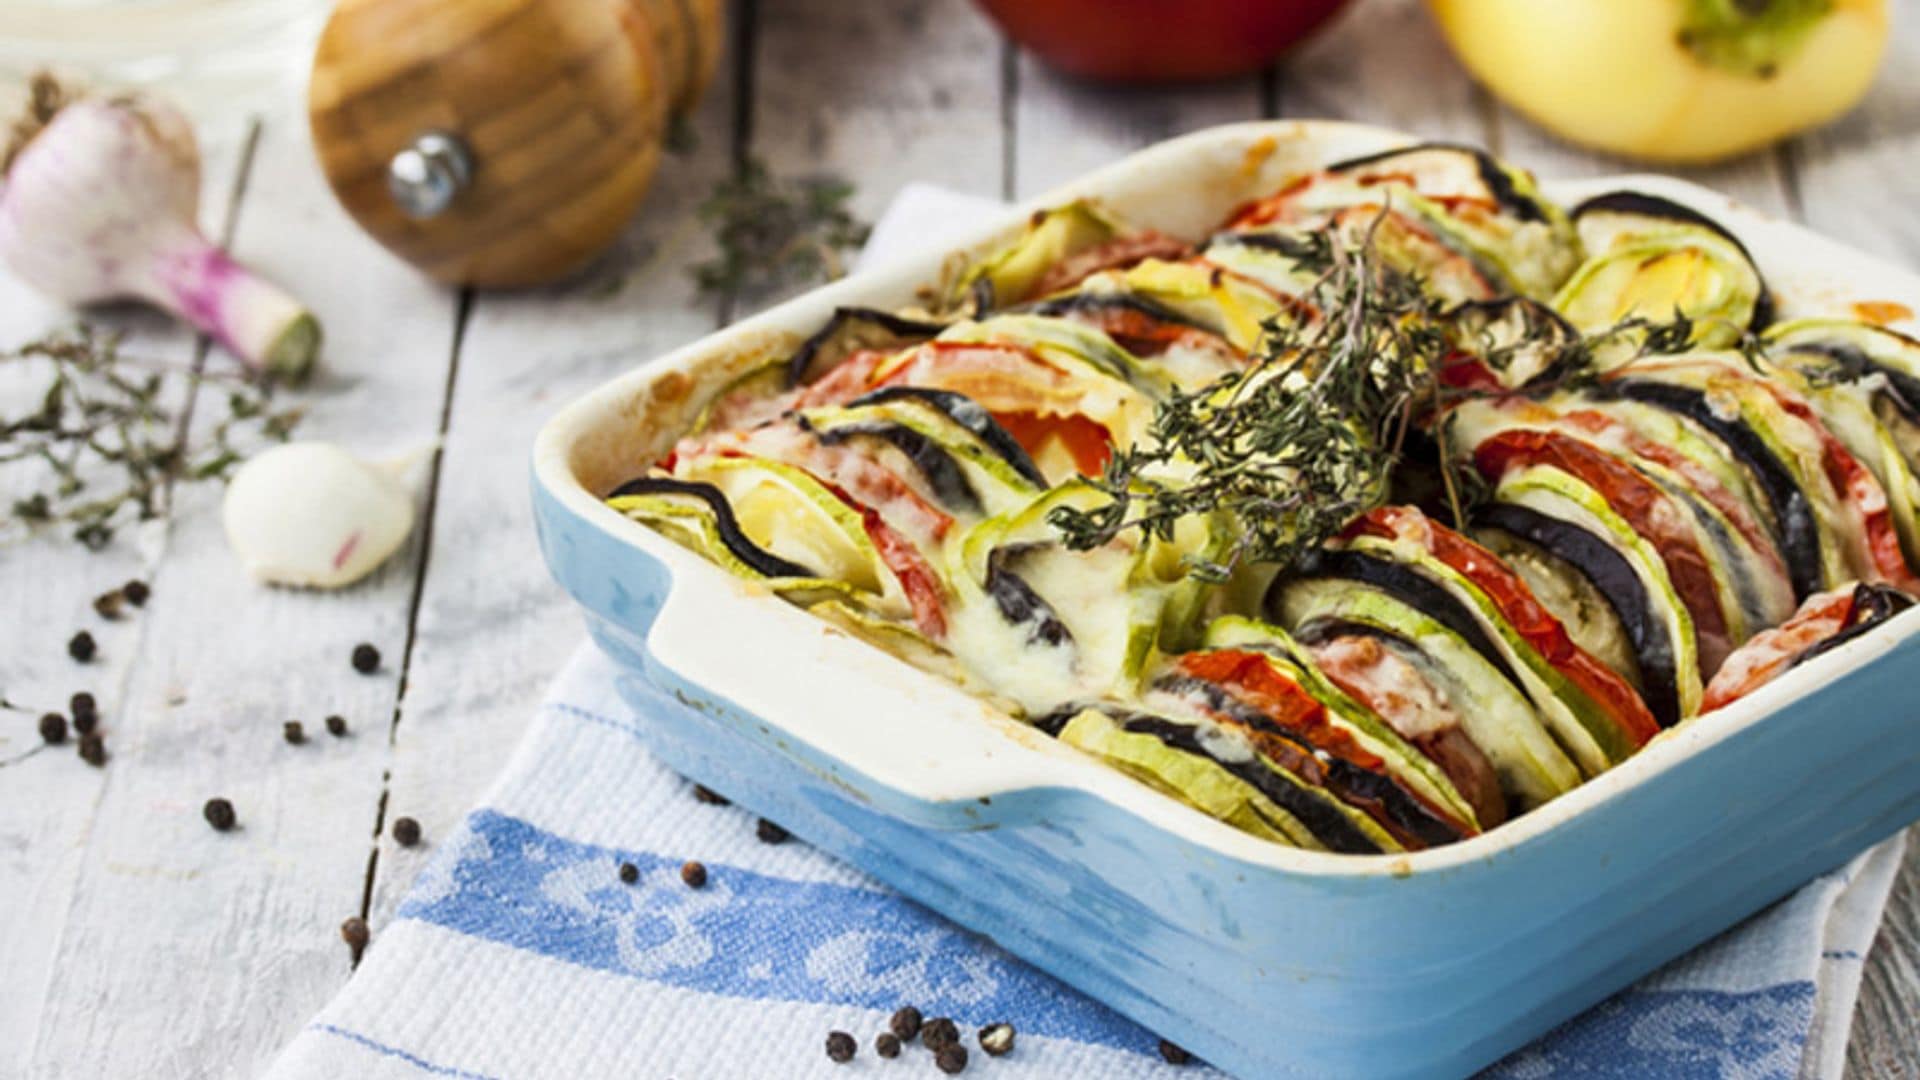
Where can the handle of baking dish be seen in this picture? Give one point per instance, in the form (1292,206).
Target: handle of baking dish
(722,667)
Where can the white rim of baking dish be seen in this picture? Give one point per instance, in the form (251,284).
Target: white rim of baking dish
(960,749)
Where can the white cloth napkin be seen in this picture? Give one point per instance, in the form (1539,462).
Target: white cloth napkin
(519,953)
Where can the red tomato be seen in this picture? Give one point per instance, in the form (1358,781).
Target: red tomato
(1521,610)
(1085,441)
(1642,504)
(1158,40)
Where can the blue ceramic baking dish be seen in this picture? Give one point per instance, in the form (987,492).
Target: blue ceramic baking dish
(1266,961)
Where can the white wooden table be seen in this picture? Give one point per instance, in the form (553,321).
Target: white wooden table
(137,942)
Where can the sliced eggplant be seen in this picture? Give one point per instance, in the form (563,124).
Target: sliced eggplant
(850,330)
(1019,603)
(1454,171)
(1872,605)
(965,412)
(1521,343)
(1796,531)
(1217,772)
(650,498)
(1552,548)
(936,466)
(1375,733)
(1845,350)
(1395,580)
(1291,745)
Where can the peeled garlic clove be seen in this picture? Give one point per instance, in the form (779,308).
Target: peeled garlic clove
(311,514)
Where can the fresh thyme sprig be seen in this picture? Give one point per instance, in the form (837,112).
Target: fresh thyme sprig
(773,232)
(1285,455)
(101,444)
(1295,447)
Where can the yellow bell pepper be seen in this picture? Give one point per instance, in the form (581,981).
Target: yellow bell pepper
(1671,80)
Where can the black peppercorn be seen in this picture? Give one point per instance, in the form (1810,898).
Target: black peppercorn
(694,874)
(769,833)
(709,796)
(840,1046)
(81,647)
(107,604)
(997,1039)
(293,732)
(93,749)
(939,1032)
(354,932)
(337,726)
(366,659)
(53,728)
(1173,1054)
(905,1022)
(886,1044)
(82,706)
(629,873)
(952,1059)
(136,592)
(219,814)
(406,831)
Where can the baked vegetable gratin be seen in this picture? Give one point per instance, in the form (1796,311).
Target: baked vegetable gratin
(1398,506)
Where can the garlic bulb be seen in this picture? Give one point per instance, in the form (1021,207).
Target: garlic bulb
(100,203)
(311,514)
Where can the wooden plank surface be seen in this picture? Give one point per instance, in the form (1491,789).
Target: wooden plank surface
(49,798)
(233,936)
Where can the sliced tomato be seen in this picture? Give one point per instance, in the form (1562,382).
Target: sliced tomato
(1086,442)
(917,580)
(1464,371)
(1770,652)
(1272,208)
(1520,610)
(1856,484)
(844,381)
(1649,510)
(1253,679)
(1703,483)
(1279,698)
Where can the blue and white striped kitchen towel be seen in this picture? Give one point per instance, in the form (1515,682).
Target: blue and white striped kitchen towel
(520,954)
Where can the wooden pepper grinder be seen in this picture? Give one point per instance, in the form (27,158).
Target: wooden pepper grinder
(502,142)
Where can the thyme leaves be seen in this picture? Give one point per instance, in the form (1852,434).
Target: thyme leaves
(773,232)
(102,443)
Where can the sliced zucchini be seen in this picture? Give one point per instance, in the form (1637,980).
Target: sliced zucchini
(1226,303)
(1652,259)
(786,511)
(1372,732)
(1214,770)
(1582,725)
(1551,493)
(1008,276)
(1309,745)
(1494,710)
(698,516)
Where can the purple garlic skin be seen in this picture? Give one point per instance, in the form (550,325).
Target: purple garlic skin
(101,205)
